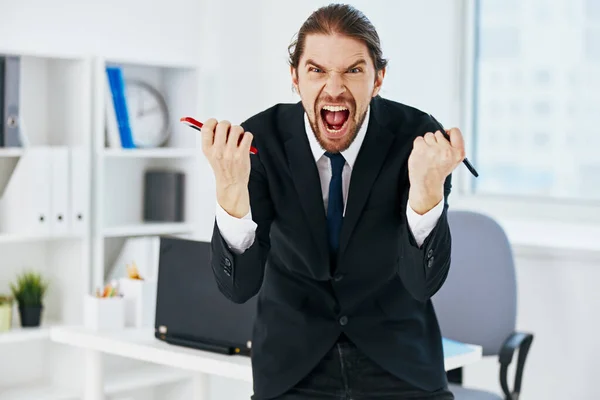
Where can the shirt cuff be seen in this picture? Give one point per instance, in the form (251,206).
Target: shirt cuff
(422,225)
(238,233)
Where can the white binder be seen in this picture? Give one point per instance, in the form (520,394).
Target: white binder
(59,204)
(25,204)
(80,179)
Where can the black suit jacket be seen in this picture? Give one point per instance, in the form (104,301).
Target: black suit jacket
(379,295)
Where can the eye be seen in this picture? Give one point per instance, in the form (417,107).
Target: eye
(355,70)
(315,69)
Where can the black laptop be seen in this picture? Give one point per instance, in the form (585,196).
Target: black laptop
(190,309)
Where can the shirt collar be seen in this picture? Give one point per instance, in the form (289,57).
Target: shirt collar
(350,153)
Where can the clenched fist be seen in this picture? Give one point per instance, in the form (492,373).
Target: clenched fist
(432,159)
(227,148)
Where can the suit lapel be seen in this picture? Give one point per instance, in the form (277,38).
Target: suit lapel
(370,159)
(305,176)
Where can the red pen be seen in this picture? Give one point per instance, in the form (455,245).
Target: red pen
(197,125)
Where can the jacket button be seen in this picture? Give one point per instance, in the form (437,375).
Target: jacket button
(430,253)
(338,277)
(430,262)
(343,320)
(227,262)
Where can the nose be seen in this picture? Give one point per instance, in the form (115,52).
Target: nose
(335,85)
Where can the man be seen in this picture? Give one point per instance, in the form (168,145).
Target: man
(338,223)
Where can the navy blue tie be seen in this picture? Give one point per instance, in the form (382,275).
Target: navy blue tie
(335,203)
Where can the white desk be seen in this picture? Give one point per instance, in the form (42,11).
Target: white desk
(140,344)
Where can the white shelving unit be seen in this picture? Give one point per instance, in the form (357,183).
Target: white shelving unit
(119,172)
(39,227)
(76,246)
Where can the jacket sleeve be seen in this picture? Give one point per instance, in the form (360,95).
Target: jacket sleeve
(423,269)
(238,275)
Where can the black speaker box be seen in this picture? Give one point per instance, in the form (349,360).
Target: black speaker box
(164,194)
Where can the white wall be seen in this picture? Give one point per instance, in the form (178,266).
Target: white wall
(249,53)
(165,30)
(558,302)
(244,55)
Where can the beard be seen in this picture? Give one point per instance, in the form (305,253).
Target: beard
(337,146)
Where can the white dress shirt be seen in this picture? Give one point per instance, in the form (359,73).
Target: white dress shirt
(238,233)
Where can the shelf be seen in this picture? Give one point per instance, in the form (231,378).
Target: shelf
(27,237)
(11,152)
(19,334)
(117,382)
(142,377)
(162,152)
(148,229)
(37,392)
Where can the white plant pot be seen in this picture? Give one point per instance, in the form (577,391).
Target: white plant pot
(5,317)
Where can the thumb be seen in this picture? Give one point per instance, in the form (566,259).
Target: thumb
(456,138)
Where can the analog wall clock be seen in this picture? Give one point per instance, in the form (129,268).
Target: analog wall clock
(148,114)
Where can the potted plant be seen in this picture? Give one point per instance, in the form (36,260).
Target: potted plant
(29,292)
(6,303)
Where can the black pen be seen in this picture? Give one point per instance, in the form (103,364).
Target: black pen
(465,161)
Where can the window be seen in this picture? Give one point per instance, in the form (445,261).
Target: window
(536,98)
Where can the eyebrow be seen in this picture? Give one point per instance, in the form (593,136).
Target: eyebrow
(357,63)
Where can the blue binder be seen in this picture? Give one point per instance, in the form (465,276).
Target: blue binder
(117,87)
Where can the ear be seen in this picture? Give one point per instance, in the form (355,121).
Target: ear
(378,82)
(294,74)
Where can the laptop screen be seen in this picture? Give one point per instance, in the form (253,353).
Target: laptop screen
(189,304)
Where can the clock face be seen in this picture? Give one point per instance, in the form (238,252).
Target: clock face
(148,115)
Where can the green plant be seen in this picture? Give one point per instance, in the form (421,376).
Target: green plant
(29,289)
(5,300)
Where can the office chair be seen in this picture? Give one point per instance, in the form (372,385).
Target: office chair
(478,302)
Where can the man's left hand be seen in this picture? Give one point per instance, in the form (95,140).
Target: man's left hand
(432,159)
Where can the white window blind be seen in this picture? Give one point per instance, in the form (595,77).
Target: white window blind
(536,98)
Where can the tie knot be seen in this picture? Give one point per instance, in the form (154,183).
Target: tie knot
(337,162)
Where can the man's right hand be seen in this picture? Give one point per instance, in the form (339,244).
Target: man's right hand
(227,149)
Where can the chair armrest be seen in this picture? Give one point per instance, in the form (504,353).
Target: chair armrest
(516,341)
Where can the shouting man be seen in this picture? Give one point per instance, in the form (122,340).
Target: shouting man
(338,224)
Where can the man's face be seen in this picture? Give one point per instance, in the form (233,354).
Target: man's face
(336,80)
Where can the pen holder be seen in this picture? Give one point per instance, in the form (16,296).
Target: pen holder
(140,301)
(104,313)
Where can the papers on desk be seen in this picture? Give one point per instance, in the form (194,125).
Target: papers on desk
(452,348)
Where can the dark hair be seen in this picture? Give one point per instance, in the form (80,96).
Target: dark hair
(342,19)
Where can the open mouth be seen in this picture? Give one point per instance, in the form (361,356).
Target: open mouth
(334,118)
